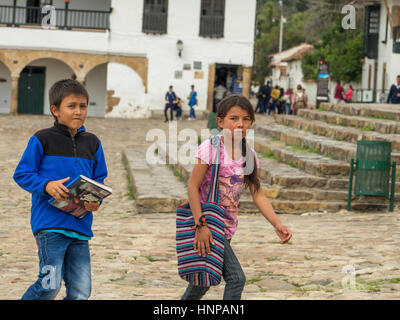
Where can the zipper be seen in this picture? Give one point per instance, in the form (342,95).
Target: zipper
(74,147)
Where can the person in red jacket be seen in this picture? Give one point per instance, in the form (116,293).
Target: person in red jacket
(349,94)
(338,93)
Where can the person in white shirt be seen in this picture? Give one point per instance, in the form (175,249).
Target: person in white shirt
(219,93)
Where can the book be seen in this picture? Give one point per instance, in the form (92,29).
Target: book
(81,189)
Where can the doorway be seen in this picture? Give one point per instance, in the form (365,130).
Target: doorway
(31,85)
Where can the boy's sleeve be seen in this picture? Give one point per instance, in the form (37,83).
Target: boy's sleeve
(26,174)
(100,167)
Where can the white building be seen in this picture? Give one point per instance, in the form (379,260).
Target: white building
(128,48)
(287,72)
(381,47)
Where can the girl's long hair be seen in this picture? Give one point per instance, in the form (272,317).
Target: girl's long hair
(223,108)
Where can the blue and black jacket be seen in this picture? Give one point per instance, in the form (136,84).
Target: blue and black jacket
(53,154)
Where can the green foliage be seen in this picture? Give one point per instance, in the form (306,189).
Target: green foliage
(315,22)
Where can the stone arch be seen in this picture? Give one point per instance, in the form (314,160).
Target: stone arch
(5,88)
(136,63)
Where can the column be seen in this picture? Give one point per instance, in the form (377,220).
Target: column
(14,95)
(211,81)
(246,82)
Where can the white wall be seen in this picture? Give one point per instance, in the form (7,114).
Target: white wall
(128,87)
(5,89)
(96,85)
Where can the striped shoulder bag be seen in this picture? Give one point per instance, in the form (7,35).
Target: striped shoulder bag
(197,270)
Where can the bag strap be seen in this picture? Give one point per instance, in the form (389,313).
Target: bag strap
(213,193)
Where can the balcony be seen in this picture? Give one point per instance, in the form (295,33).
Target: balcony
(155,22)
(14,16)
(212,26)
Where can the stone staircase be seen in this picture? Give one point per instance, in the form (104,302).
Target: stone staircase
(304,161)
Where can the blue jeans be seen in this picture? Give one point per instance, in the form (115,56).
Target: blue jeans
(61,257)
(192,114)
(233,276)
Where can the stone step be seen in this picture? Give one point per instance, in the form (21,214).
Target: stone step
(290,194)
(311,163)
(272,173)
(363,123)
(161,197)
(338,150)
(246,205)
(379,111)
(337,132)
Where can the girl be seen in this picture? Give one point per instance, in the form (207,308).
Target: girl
(299,100)
(235,115)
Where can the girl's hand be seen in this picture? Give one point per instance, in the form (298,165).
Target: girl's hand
(202,240)
(91,206)
(283,232)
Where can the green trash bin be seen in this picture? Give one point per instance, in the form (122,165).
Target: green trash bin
(372,168)
(212,122)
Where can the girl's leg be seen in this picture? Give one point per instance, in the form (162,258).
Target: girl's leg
(194,292)
(233,274)
(77,274)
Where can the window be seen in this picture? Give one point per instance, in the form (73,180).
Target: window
(212,18)
(371,33)
(396,29)
(155,14)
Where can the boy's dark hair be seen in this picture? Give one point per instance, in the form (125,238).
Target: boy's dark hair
(64,88)
(223,107)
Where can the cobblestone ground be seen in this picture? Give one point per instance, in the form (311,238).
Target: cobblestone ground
(133,256)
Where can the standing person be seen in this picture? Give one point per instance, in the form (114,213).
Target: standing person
(235,116)
(298,100)
(267,96)
(219,93)
(349,94)
(54,156)
(394,94)
(229,81)
(338,93)
(274,99)
(192,103)
(170,100)
(287,101)
(260,99)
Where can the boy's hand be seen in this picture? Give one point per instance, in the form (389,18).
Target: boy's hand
(283,232)
(91,206)
(57,190)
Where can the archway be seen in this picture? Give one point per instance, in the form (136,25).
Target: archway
(5,89)
(35,81)
(96,85)
(127,97)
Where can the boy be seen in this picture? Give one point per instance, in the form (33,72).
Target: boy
(54,156)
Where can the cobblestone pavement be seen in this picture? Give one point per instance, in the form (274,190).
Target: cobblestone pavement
(133,255)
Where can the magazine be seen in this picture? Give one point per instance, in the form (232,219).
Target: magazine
(81,189)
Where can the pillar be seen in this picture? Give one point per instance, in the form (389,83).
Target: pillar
(210,93)
(14,95)
(246,82)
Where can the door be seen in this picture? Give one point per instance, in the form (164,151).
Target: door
(31,90)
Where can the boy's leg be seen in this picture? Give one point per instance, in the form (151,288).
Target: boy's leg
(77,274)
(233,274)
(52,248)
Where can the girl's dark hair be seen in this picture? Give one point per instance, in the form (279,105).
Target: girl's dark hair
(223,108)
(64,88)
